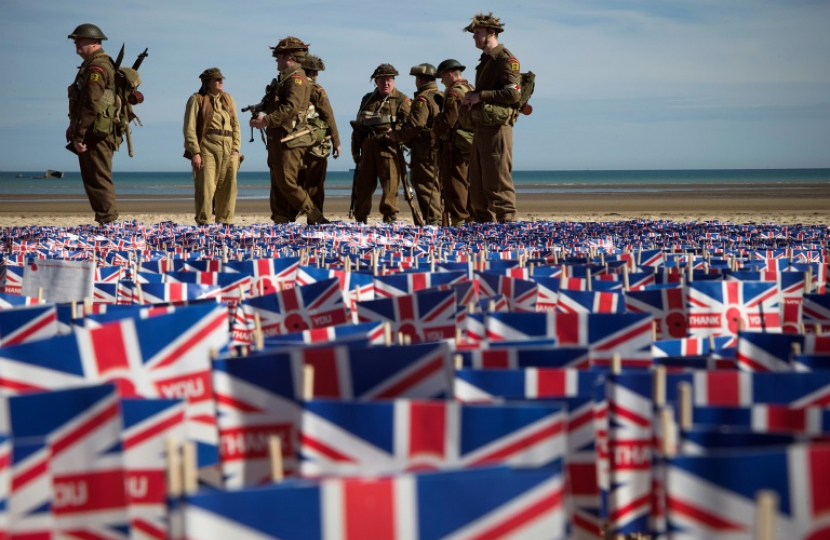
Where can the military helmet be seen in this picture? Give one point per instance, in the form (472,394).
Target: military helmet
(384,70)
(314,63)
(423,70)
(292,45)
(449,64)
(87,30)
(210,74)
(485,21)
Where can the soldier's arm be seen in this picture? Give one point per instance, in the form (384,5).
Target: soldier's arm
(237,131)
(446,119)
(90,99)
(191,113)
(327,114)
(509,79)
(415,120)
(288,108)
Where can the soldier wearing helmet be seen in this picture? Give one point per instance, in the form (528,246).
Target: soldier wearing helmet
(91,134)
(453,127)
(327,138)
(494,108)
(286,117)
(415,132)
(212,139)
(374,153)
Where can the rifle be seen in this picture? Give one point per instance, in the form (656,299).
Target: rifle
(140,59)
(445,214)
(354,186)
(134,98)
(408,193)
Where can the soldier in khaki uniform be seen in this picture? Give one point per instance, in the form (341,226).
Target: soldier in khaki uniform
(374,153)
(286,111)
(494,108)
(453,127)
(92,135)
(327,138)
(211,142)
(415,132)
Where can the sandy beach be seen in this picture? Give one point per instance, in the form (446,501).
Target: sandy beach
(790,203)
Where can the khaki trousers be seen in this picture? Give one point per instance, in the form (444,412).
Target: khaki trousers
(426,185)
(286,193)
(454,168)
(378,160)
(492,197)
(215,183)
(96,173)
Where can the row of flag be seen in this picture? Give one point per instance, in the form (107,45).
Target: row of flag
(645,378)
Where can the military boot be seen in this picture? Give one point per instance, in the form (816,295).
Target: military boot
(316,217)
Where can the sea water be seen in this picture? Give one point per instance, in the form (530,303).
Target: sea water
(152,186)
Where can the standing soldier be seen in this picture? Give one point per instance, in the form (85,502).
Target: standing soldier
(327,139)
(286,111)
(374,153)
(91,132)
(452,126)
(211,142)
(494,108)
(416,133)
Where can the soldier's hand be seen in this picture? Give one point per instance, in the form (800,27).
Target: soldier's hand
(258,122)
(196,162)
(336,152)
(79,147)
(472,98)
(356,158)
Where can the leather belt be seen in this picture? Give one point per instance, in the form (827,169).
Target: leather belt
(220,132)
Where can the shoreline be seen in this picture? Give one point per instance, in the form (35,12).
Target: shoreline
(779,203)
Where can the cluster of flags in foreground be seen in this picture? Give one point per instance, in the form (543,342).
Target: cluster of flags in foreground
(533,380)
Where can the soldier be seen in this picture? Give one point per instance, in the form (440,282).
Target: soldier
(452,126)
(494,108)
(327,138)
(211,142)
(416,133)
(286,111)
(91,132)
(374,153)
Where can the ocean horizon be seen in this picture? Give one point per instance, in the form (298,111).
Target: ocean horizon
(256,184)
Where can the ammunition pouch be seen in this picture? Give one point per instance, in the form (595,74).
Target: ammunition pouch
(371,120)
(302,141)
(107,116)
(462,140)
(492,115)
(321,147)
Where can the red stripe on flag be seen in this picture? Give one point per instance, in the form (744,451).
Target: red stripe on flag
(427,429)
(631,416)
(89,492)
(723,388)
(326,374)
(523,443)
(320,335)
(406,307)
(412,379)
(30,474)
(520,519)
(237,404)
(153,430)
(290,300)
(213,324)
(324,449)
(369,508)
(85,428)
(551,383)
(419,282)
(110,349)
(698,514)
(819,459)
(262,267)
(42,322)
(495,359)
(149,529)
(18,387)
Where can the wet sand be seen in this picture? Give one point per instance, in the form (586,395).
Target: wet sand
(791,203)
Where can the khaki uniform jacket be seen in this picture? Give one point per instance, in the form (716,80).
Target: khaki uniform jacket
(287,105)
(423,111)
(397,104)
(95,76)
(497,77)
(322,105)
(200,115)
(448,118)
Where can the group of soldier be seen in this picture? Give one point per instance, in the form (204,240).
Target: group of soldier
(460,139)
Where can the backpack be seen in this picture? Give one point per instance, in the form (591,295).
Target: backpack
(127,94)
(527,86)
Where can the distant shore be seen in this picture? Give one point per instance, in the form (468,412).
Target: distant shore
(797,203)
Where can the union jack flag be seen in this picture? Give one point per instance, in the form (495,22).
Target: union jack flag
(517,357)
(29,502)
(11,301)
(423,316)
(570,301)
(528,504)
(742,389)
(176,293)
(232,286)
(25,324)
(816,309)
(521,295)
(82,429)
(370,332)
(548,293)
(760,351)
(348,438)
(530,383)
(716,308)
(667,306)
(410,282)
(767,418)
(714,496)
(356,286)
(269,275)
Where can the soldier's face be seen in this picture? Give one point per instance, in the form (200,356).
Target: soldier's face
(284,60)
(215,86)
(85,46)
(480,37)
(385,84)
(447,78)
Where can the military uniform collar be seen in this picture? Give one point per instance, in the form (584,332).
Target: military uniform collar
(287,72)
(427,87)
(95,55)
(494,52)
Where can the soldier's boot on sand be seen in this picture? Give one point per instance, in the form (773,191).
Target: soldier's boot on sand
(316,217)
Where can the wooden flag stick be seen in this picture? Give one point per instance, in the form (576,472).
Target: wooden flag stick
(174,469)
(387,333)
(616,363)
(308,382)
(684,391)
(191,470)
(660,386)
(458,360)
(588,278)
(275,455)
(259,338)
(766,515)
(87,306)
(667,426)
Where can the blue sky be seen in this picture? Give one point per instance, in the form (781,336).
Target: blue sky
(621,84)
